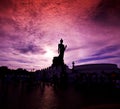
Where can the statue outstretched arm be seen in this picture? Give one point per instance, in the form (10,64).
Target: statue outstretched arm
(65,46)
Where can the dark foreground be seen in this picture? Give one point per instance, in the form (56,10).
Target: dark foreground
(19,96)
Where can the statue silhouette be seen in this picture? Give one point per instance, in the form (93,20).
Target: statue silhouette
(60,59)
(61,50)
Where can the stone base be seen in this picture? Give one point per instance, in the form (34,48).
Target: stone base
(57,61)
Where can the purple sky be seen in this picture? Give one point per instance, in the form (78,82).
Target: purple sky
(30,31)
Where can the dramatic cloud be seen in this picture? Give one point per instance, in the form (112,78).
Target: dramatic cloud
(97,58)
(107,50)
(30,31)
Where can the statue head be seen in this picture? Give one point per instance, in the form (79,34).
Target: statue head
(61,41)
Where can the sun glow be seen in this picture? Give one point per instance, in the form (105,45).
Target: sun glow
(49,53)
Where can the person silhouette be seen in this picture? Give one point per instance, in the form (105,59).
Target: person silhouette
(61,49)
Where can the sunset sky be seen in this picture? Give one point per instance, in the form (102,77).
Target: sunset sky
(30,31)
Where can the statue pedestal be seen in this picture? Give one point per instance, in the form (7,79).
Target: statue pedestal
(59,65)
(57,61)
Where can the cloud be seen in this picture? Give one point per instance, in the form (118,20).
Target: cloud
(97,58)
(6,4)
(107,12)
(107,49)
(10,29)
(28,47)
(14,59)
(75,48)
